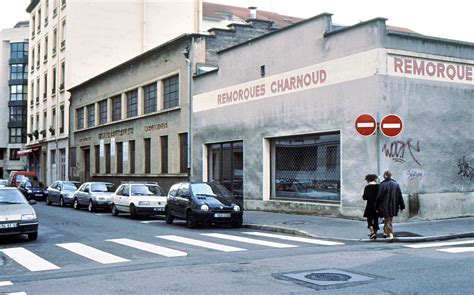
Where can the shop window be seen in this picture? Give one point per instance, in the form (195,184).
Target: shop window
(306,167)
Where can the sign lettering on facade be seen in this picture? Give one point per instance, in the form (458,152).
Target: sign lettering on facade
(116,133)
(156,127)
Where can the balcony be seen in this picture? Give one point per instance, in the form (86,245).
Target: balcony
(63,44)
(45,96)
(55,12)
(61,87)
(54,51)
(63,4)
(32,68)
(45,21)
(61,130)
(45,58)
(37,64)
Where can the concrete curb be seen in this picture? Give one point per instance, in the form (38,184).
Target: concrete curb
(292,231)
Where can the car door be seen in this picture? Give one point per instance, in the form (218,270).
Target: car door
(84,195)
(53,192)
(170,201)
(118,199)
(182,199)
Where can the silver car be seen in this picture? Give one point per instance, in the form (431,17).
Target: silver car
(93,195)
(16,215)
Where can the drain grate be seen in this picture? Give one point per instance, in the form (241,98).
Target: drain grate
(328,278)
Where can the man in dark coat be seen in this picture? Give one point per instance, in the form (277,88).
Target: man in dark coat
(389,201)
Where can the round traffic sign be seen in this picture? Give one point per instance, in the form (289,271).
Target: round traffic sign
(391,125)
(365,124)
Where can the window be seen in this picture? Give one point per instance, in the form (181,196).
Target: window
(97,158)
(55,40)
(39,20)
(171,92)
(18,92)
(164,154)
(18,72)
(131,154)
(53,120)
(37,89)
(33,22)
(45,85)
(63,35)
(53,86)
(183,153)
(14,155)
(32,58)
(91,115)
(107,158)
(19,50)
(225,162)
(63,75)
(62,167)
(103,112)
(119,149)
(32,92)
(38,52)
(80,118)
(149,100)
(306,167)
(44,121)
(116,108)
(72,155)
(61,119)
(132,103)
(147,153)
(53,157)
(45,49)
(17,114)
(17,135)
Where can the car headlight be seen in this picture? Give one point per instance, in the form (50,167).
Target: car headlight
(28,217)
(236,208)
(143,203)
(204,207)
(29,191)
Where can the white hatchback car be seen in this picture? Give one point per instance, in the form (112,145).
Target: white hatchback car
(139,199)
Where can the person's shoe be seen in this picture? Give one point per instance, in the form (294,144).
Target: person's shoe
(373,236)
(385,236)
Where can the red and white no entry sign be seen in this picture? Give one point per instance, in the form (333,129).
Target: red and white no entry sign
(365,124)
(391,125)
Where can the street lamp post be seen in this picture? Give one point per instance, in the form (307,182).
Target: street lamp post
(186,53)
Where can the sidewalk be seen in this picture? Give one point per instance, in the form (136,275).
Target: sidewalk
(356,230)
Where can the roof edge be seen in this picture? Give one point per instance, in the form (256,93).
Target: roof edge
(32,5)
(430,38)
(377,19)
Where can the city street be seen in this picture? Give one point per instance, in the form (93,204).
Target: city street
(78,252)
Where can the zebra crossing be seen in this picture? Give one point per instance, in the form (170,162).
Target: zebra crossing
(211,241)
(442,246)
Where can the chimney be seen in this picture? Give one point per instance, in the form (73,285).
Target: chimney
(253,12)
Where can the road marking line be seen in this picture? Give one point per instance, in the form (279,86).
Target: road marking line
(199,243)
(28,259)
(6,283)
(150,221)
(296,239)
(391,125)
(457,249)
(16,293)
(149,247)
(365,125)
(438,244)
(92,253)
(250,241)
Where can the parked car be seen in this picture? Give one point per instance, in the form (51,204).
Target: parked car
(93,195)
(203,203)
(62,192)
(139,199)
(16,215)
(33,190)
(18,177)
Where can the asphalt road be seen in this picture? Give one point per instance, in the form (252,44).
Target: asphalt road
(78,252)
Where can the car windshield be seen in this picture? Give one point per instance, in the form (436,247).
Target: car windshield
(102,187)
(22,178)
(70,186)
(147,190)
(210,189)
(11,196)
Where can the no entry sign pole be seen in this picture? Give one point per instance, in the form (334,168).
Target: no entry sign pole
(379,151)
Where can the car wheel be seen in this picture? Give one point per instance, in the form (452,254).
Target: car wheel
(237,223)
(115,211)
(61,202)
(48,201)
(33,236)
(190,220)
(169,218)
(76,204)
(133,212)
(91,207)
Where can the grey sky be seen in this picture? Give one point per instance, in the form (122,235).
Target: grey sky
(448,19)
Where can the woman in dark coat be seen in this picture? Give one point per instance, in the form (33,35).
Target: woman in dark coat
(370,195)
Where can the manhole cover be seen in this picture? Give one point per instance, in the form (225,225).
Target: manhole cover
(328,278)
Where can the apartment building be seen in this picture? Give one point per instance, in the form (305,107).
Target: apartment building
(71,41)
(13,97)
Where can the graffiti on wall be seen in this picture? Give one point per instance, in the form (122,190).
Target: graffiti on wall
(415,174)
(397,150)
(465,171)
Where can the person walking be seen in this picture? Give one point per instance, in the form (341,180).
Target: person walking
(370,195)
(388,202)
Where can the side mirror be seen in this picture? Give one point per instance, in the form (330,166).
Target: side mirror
(32,202)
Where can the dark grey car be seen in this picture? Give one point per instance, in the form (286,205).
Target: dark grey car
(62,192)
(16,215)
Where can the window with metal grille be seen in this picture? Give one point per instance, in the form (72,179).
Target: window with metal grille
(103,112)
(91,115)
(306,167)
(132,103)
(149,98)
(171,92)
(116,108)
(80,118)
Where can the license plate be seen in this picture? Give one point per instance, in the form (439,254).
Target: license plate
(159,209)
(38,195)
(8,225)
(221,214)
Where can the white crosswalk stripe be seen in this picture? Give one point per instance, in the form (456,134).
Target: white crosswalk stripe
(92,253)
(249,240)
(457,249)
(16,293)
(438,244)
(28,259)
(152,248)
(199,243)
(295,239)
(6,283)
